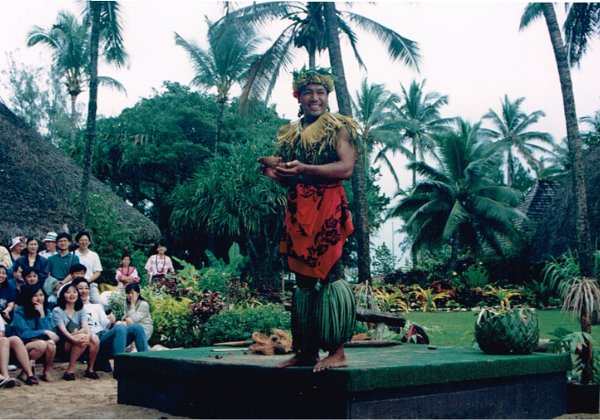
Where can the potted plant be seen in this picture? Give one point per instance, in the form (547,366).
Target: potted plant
(581,297)
(506,330)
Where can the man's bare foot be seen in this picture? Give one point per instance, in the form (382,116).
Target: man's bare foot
(299,360)
(335,359)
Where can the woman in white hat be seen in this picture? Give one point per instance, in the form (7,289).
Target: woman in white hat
(16,248)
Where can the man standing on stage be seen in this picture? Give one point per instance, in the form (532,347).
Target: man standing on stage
(315,153)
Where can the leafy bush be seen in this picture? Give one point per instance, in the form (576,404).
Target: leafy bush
(111,238)
(116,303)
(173,325)
(475,276)
(239,324)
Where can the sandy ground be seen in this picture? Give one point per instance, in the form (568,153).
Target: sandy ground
(82,398)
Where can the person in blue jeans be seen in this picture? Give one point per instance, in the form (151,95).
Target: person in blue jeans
(114,336)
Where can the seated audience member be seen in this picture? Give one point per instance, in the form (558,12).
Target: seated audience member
(137,310)
(114,336)
(8,295)
(18,348)
(71,323)
(33,260)
(31,277)
(5,257)
(50,244)
(33,324)
(77,270)
(59,265)
(160,264)
(17,281)
(92,263)
(5,380)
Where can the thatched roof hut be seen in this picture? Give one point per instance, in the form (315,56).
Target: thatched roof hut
(39,186)
(556,231)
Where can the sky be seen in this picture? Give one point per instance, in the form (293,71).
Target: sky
(471,51)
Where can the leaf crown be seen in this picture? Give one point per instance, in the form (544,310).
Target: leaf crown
(317,75)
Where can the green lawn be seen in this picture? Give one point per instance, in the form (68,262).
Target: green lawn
(457,328)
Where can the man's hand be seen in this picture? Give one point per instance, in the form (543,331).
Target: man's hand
(289,169)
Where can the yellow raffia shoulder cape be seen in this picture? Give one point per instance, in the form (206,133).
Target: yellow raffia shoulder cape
(323,130)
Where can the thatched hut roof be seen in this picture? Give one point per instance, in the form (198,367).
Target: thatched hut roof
(39,185)
(556,231)
(536,204)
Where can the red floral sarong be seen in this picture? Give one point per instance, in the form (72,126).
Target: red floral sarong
(317,224)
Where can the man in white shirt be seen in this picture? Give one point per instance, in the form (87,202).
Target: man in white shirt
(114,336)
(91,260)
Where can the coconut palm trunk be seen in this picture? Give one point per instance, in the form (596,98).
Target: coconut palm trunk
(92,110)
(584,243)
(73,128)
(358,176)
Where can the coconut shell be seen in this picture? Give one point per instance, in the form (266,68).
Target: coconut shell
(271,161)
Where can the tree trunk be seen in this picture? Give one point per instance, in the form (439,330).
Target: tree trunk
(358,176)
(312,59)
(92,108)
(221,105)
(414,171)
(584,243)
(510,173)
(73,129)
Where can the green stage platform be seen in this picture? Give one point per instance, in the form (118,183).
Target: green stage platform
(408,381)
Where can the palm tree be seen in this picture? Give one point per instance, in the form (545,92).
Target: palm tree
(68,40)
(359,183)
(511,134)
(306,30)
(104,20)
(584,243)
(372,110)
(581,24)
(418,121)
(556,165)
(592,137)
(223,64)
(459,203)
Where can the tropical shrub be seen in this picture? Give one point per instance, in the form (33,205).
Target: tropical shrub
(475,276)
(112,238)
(239,323)
(427,298)
(570,342)
(116,304)
(503,295)
(173,325)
